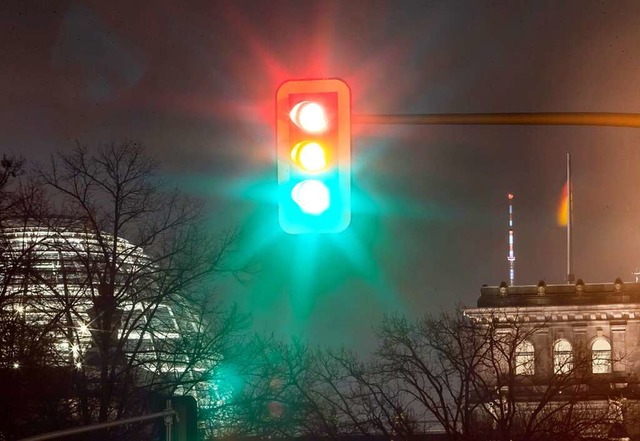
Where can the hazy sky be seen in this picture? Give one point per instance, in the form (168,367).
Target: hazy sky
(195,81)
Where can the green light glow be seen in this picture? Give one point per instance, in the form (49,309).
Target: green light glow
(299,279)
(224,385)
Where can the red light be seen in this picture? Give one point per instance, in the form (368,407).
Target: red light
(309,116)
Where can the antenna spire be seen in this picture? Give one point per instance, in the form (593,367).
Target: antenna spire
(511,257)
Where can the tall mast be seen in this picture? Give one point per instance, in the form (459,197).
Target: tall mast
(570,275)
(511,257)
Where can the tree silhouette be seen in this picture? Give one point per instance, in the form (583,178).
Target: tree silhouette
(117,270)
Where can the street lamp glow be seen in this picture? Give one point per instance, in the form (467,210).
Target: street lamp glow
(309,116)
(311,196)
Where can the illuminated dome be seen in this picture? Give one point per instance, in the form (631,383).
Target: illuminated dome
(55,278)
(55,284)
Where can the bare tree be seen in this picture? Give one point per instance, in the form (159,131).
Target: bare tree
(471,379)
(122,275)
(276,398)
(478,380)
(434,361)
(294,390)
(31,388)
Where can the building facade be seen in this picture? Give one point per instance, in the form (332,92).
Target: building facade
(577,346)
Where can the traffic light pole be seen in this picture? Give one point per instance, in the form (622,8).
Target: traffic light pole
(167,414)
(556,118)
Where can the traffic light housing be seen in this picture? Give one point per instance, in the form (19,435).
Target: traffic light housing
(313,134)
(185,426)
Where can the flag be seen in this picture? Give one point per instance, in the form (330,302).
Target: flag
(563,207)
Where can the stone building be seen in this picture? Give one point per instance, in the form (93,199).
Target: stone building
(588,333)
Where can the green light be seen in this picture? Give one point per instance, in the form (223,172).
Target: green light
(312,196)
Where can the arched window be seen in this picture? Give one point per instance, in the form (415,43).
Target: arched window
(601,356)
(562,357)
(525,358)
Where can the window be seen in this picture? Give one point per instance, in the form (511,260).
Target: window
(562,357)
(525,358)
(601,356)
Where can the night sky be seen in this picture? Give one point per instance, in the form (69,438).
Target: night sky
(195,82)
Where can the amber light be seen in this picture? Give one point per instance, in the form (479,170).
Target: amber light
(310,155)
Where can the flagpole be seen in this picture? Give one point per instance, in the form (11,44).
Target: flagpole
(570,275)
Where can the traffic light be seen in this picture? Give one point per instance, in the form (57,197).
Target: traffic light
(184,423)
(313,131)
(185,427)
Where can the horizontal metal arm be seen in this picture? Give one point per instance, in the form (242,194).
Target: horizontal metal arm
(556,118)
